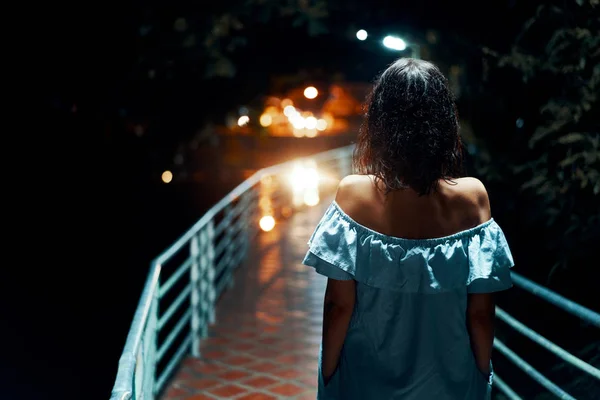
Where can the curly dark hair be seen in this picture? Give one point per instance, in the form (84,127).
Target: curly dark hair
(409,138)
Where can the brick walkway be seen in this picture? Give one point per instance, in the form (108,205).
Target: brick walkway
(265,343)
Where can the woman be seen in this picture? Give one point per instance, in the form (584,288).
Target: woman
(412,255)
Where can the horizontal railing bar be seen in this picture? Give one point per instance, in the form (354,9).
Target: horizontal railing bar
(124,382)
(547,344)
(173,307)
(238,257)
(221,265)
(221,226)
(183,268)
(504,388)
(240,190)
(532,372)
(219,287)
(169,340)
(227,260)
(173,363)
(220,247)
(552,297)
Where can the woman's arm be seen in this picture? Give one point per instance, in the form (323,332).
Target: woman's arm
(337,311)
(481,313)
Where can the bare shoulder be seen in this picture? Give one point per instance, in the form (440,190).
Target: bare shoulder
(473,194)
(353,182)
(354,191)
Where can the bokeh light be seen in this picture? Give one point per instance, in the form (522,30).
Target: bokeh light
(267,223)
(311,197)
(167,176)
(362,34)
(321,124)
(266,120)
(311,122)
(288,111)
(243,120)
(311,92)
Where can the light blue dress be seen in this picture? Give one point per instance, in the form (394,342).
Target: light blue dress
(407,338)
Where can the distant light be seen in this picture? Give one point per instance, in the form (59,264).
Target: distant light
(298,132)
(288,111)
(272,110)
(394,43)
(286,102)
(304,177)
(167,176)
(311,197)
(243,120)
(267,223)
(311,133)
(266,120)
(311,123)
(362,34)
(520,123)
(321,124)
(297,121)
(311,92)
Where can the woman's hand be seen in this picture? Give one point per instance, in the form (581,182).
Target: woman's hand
(481,312)
(337,311)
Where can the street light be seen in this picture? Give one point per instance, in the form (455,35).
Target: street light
(362,35)
(396,43)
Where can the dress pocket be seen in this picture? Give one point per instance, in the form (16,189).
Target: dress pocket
(327,391)
(331,380)
(489,378)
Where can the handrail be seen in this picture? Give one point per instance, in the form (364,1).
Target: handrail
(208,269)
(560,301)
(239,190)
(137,375)
(123,383)
(547,344)
(534,373)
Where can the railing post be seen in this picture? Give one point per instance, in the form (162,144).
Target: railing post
(252,214)
(210,272)
(243,227)
(229,249)
(195,296)
(207,276)
(153,340)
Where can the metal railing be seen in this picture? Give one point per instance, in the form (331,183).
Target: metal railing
(178,300)
(199,266)
(567,305)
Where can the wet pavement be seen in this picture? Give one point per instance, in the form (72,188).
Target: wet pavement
(265,342)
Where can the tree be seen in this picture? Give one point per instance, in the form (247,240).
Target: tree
(556,159)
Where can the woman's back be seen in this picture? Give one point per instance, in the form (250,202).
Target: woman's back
(454,207)
(411,253)
(414,260)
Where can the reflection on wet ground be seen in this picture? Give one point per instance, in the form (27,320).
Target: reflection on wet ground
(265,343)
